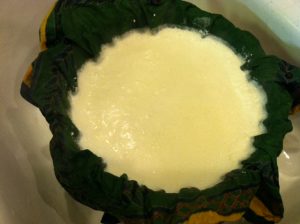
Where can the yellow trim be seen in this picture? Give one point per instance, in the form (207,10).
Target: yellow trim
(27,77)
(261,210)
(211,217)
(43,26)
(296,109)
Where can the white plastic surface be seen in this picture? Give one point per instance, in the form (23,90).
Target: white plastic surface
(29,192)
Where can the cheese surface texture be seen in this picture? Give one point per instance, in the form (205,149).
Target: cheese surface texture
(170,109)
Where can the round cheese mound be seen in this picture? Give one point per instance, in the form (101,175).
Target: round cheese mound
(170,109)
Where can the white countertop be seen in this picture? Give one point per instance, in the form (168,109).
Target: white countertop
(281,16)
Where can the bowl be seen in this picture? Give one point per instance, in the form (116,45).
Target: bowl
(41,123)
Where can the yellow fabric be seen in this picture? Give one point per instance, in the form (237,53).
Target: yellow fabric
(28,74)
(211,217)
(261,210)
(27,77)
(43,38)
(296,109)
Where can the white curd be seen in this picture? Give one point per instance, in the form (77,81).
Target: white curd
(170,109)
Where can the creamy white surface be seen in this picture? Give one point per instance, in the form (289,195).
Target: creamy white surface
(171,110)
